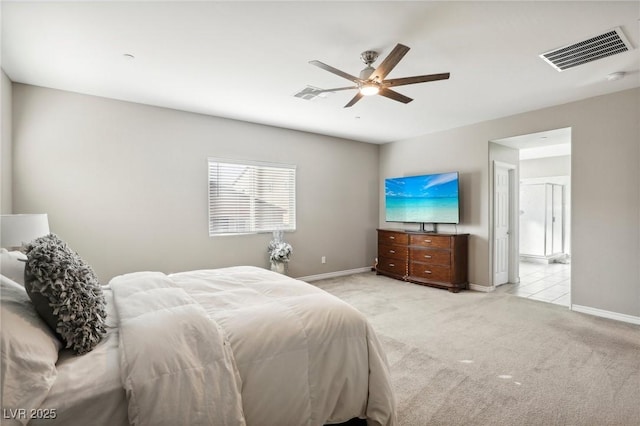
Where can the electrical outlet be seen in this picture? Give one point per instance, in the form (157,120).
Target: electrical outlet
(324,259)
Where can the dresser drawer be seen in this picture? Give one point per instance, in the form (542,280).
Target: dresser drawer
(392,266)
(431,256)
(390,237)
(393,252)
(437,241)
(430,272)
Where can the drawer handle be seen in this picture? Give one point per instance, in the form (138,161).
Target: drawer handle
(392,264)
(427,272)
(392,237)
(427,241)
(427,256)
(392,251)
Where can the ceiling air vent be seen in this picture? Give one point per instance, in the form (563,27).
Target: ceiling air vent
(610,43)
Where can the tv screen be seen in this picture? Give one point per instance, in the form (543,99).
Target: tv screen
(423,199)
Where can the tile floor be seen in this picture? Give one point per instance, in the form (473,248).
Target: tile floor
(546,282)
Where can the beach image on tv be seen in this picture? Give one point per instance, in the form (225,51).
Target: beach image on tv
(427,198)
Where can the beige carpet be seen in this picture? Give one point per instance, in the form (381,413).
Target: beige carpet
(496,359)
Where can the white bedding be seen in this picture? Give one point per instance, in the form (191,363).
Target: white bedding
(88,388)
(176,365)
(296,354)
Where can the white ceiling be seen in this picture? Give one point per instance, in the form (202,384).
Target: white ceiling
(550,143)
(246,60)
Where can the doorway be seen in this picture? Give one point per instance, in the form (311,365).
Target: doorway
(540,228)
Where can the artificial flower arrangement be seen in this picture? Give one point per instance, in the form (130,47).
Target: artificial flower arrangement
(279,251)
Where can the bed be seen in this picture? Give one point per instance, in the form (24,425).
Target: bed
(231,346)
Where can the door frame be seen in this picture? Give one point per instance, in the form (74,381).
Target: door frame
(514,196)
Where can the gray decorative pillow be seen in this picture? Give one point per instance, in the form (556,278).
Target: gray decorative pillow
(65,292)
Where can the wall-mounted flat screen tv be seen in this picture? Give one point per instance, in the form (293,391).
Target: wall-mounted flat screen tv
(429,198)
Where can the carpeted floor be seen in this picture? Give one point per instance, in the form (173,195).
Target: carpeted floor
(477,358)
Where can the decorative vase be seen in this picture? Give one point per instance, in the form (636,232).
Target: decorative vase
(277,267)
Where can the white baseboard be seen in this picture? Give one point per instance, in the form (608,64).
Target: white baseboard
(606,314)
(486,289)
(334,274)
(483,288)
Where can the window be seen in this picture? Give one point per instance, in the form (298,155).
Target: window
(248,197)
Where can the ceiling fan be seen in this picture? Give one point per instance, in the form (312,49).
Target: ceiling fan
(372,82)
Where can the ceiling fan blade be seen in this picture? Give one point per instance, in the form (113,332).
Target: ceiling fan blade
(355,99)
(335,90)
(335,71)
(388,93)
(417,79)
(389,62)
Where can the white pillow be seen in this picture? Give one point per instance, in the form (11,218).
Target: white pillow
(12,265)
(29,351)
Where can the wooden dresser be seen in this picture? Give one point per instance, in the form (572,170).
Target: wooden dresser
(438,260)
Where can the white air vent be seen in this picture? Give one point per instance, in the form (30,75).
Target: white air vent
(610,43)
(309,93)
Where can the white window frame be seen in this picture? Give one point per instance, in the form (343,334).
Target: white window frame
(252,197)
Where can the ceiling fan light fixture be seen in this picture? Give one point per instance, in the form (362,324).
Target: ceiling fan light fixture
(369,89)
(372,80)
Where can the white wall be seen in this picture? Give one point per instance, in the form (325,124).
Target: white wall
(126,185)
(605,190)
(545,167)
(5,145)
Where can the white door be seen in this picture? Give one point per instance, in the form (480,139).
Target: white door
(501,224)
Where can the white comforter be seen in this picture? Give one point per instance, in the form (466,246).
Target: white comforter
(245,345)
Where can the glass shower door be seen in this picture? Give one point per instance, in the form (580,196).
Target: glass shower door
(541,219)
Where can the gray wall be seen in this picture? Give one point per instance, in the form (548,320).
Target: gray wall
(142,201)
(5,144)
(453,150)
(605,190)
(126,185)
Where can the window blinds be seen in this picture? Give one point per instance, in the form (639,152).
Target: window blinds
(249,197)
